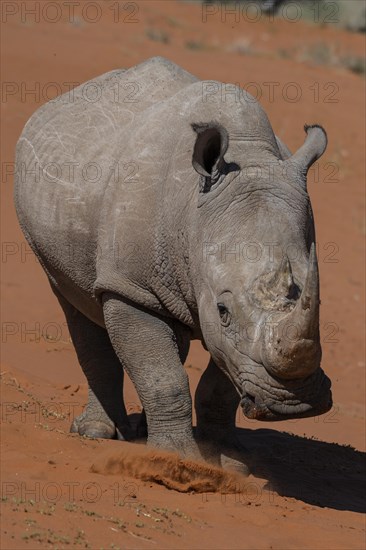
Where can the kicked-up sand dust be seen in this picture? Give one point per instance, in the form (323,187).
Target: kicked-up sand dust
(168,469)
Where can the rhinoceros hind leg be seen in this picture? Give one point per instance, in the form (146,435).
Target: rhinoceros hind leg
(216,403)
(105,415)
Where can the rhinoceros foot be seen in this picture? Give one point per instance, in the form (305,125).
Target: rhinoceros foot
(234,455)
(94,428)
(234,464)
(227,452)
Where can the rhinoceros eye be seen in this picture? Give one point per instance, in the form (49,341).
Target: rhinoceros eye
(224,314)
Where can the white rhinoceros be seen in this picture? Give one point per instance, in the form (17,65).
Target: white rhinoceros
(163,210)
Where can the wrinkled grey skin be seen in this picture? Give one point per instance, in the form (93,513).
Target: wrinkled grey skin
(181,230)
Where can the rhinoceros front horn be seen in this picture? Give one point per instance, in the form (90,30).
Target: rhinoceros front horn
(294,349)
(310,293)
(314,146)
(305,316)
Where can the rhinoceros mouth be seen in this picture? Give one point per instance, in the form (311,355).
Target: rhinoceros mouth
(269,399)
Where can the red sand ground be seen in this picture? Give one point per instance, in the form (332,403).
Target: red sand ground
(305,491)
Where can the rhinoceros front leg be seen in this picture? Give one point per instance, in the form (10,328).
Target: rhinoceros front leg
(152,349)
(216,403)
(105,414)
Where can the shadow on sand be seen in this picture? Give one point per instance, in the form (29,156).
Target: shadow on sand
(316,472)
(319,473)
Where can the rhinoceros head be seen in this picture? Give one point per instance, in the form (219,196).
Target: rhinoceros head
(258,296)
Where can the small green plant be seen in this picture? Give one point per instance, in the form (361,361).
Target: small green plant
(194,45)
(48,536)
(90,513)
(355,64)
(80,538)
(284,54)
(158,35)
(182,515)
(30,522)
(173,22)
(320,54)
(46,510)
(70,507)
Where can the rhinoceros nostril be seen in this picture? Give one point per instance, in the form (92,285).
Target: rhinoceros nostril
(294,292)
(251,397)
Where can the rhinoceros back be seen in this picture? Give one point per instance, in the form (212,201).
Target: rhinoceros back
(65,157)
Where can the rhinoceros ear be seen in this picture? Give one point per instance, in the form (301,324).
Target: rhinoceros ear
(313,148)
(208,155)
